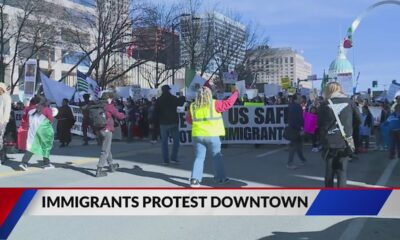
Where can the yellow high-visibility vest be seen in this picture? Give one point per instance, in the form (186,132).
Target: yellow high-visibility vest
(206,121)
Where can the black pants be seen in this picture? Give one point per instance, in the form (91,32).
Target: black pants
(296,147)
(314,140)
(335,166)
(28,155)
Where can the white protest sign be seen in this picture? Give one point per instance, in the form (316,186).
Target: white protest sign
(393,90)
(135,93)
(271,90)
(246,125)
(230,77)
(305,92)
(346,81)
(251,93)
(77,128)
(194,86)
(123,92)
(241,87)
(174,90)
(30,78)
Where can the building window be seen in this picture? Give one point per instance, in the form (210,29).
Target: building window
(73,57)
(291,60)
(70,80)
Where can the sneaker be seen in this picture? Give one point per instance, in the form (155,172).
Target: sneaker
(291,166)
(221,182)
(315,150)
(194,183)
(85,144)
(100,173)
(174,161)
(165,163)
(153,141)
(48,166)
(114,167)
(23,167)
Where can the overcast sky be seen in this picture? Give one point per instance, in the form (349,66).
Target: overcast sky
(315,27)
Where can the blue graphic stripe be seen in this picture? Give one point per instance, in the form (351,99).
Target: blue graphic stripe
(349,202)
(16,213)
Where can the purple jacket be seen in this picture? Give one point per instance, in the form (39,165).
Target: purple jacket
(111,113)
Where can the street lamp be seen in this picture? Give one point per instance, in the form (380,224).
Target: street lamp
(173,27)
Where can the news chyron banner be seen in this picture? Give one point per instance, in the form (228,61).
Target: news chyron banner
(194,202)
(246,125)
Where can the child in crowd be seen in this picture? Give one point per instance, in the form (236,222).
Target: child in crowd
(365,128)
(310,126)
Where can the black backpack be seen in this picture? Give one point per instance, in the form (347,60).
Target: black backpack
(97,116)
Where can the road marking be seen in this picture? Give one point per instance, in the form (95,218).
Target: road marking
(271,152)
(77,162)
(354,228)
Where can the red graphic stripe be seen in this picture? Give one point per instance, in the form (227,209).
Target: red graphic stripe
(8,199)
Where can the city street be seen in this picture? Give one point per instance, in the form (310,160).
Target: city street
(247,166)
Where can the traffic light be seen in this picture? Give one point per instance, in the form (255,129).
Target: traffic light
(375,84)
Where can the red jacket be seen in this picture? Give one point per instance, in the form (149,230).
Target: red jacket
(111,113)
(220,105)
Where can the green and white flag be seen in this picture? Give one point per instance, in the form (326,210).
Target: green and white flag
(82,85)
(40,135)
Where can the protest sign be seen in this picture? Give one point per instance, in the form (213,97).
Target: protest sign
(241,87)
(77,128)
(135,93)
(123,92)
(346,81)
(251,93)
(246,125)
(30,78)
(393,90)
(18,117)
(230,77)
(194,86)
(285,83)
(271,90)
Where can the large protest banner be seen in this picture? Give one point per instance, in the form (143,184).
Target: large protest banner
(77,128)
(246,125)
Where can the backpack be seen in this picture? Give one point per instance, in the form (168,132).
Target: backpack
(97,117)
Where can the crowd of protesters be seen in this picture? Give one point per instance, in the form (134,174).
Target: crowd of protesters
(310,118)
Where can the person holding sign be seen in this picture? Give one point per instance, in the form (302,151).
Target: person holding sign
(207,127)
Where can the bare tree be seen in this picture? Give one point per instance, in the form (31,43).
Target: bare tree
(197,36)
(28,35)
(157,41)
(110,25)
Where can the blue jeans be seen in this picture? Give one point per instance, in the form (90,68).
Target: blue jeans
(214,145)
(166,131)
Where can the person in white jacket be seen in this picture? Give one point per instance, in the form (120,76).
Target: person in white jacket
(5,110)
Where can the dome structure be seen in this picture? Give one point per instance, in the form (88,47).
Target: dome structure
(340,65)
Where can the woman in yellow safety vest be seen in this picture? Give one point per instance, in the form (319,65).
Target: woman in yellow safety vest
(207,127)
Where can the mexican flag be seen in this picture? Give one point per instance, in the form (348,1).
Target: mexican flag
(40,134)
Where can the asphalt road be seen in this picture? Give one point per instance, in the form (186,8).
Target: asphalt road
(246,165)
